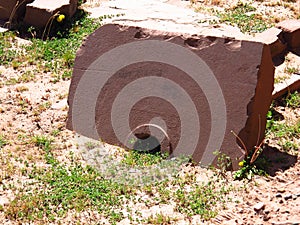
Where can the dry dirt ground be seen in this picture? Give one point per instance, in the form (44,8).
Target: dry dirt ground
(38,107)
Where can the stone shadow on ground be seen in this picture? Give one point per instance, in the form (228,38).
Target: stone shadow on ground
(296,51)
(277,160)
(279,59)
(58,30)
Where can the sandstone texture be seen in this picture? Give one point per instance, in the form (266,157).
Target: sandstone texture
(289,86)
(175,15)
(283,39)
(166,16)
(291,29)
(39,12)
(188,91)
(274,38)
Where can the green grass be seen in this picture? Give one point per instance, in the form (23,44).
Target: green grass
(280,79)
(192,197)
(7,52)
(282,130)
(43,142)
(65,188)
(285,134)
(275,126)
(61,188)
(288,145)
(276,129)
(56,54)
(199,201)
(248,170)
(136,158)
(3,141)
(160,218)
(244,17)
(293,100)
(291,70)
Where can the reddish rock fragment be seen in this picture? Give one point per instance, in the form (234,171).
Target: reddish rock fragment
(288,86)
(274,38)
(39,12)
(291,29)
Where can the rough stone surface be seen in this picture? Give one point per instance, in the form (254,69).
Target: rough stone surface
(160,15)
(7,7)
(259,206)
(291,29)
(242,69)
(39,12)
(289,86)
(274,38)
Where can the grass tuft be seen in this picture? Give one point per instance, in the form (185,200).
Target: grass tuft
(244,17)
(66,188)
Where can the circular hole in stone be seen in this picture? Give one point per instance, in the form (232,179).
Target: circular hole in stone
(146,143)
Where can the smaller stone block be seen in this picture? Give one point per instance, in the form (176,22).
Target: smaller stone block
(290,85)
(291,33)
(39,12)
(7,7)
(274,38)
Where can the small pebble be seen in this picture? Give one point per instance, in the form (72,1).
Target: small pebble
(278,195)
(266,218)
(4,201)
(281,190)
(287,197)
(259,206)
(295,197)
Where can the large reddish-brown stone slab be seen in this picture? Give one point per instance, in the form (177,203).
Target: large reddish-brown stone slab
(39,12)
(188,91)
(8,6)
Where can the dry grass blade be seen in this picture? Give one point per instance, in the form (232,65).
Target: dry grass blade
(256,153)
(244,150)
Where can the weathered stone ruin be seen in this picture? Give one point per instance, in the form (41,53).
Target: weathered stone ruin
(188,91)
(202,87)
(36,12)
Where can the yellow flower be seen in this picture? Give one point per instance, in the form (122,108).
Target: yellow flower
(241,163)
(60,18)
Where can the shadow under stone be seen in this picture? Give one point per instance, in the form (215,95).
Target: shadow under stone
(277,160)
(296,51)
